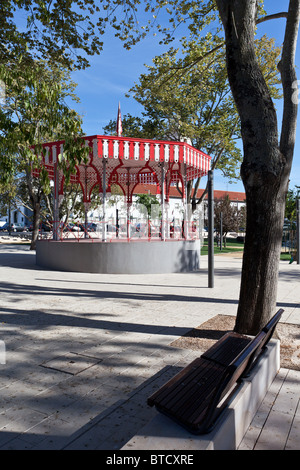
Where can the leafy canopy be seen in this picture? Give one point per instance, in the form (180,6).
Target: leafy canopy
(35,111)
(70,31)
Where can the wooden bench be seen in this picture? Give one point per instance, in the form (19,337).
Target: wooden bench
(197,395)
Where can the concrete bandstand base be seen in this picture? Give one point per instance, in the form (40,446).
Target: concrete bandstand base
(119,257)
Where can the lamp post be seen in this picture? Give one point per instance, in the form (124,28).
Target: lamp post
(210,229)
(298,226)
(55,222)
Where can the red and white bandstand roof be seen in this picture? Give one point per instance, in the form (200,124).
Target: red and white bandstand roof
(128,162)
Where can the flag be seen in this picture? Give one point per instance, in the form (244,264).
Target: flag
(119,122)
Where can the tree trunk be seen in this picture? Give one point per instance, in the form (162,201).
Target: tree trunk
(258,291)
(35,196)
(266,163)
(35,224)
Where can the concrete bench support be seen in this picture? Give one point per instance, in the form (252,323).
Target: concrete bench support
(161,433)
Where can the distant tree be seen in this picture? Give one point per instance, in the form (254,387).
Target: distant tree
(229,214)
(134,126)
(290,205)
(147,200)
(7,198)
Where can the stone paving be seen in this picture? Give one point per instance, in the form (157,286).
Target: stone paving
(84,351)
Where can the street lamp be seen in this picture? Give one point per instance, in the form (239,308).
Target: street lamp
(210,229)
(54,188)
(298,226)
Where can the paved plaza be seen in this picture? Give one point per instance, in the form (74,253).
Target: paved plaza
(84,351)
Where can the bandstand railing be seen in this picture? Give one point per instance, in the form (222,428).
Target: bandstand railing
(143,231)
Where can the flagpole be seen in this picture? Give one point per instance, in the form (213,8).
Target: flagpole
(119,122)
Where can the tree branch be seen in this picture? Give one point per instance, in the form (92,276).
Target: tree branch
(185,67)
(283,14)
(289,81)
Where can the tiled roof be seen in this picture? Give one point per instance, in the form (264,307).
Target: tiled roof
(174,193)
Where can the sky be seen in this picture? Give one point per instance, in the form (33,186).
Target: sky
(112,73)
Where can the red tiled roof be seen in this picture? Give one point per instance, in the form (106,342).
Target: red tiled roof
(151,189)
(233,195)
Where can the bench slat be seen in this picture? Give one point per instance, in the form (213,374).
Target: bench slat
(191,395)
(198,387)
(226,350)
(186,378)
(197,405)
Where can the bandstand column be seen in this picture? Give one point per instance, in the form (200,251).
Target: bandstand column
(56,204)
(128,219)
(87,206)
(104,234)
(185,208)
(85,203)
(162,202)
(128,202)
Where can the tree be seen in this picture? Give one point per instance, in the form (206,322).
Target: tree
(34,112)
(186,94)
(147,200)
(290,205)
(68,32)
(191,99)
(267,157)
(232,218)
(60,31)
(134,126)
(7,195)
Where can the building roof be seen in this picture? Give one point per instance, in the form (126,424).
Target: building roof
(174,193)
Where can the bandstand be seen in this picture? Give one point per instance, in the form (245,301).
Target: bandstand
(126,162)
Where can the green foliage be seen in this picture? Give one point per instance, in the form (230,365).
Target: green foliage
(34,111)
(147,200)
(52,30)
(290,205)
(68,32)
(186,94)
(134,126)
(7,195)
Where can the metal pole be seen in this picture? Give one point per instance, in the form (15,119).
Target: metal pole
(85,221)
(185,224)
(56,208)
(210,229)
(298,227)
(117,223)
(9,217)
(127,204)
(221,231)
(85,205)
(128,221)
